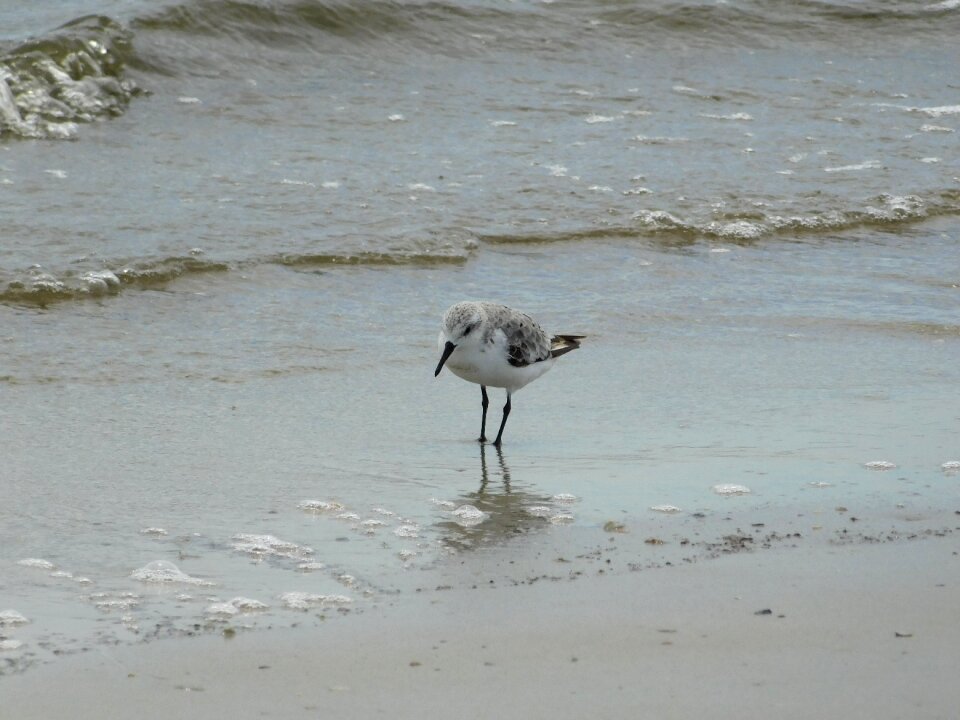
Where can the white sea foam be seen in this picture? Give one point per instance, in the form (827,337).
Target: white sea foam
(738,230)
(731,489)
(936,128)
(184,100)
(64,574)
(561,518)
(468,515)
(407,531)
(540,511)
(396,117)
(9,618)
(268,545)
(879,465)
(351,516)
(235,606)
(310,566)
(320,506)
(565,498)
(731,116)
(99,282)
(503,123)
(445,504)
(7,645)
(164,571)
(819,484)
(669,509)
(939,111)
(221,610)
(36,563)
(156,531)
(951,466)
(594,118)
(372,523)
(109,602)
(866,165)
(306,601)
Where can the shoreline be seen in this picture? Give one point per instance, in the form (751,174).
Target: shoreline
(860,630)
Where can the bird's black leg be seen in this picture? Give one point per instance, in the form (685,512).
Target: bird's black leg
(506,412)
(483,421)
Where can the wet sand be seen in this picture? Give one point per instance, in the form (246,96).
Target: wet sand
(860,630)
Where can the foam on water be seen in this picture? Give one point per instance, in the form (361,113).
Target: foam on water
(158,532)
(310,566)
(164,571)
(320,506)
(9,618)
(668,509)
(879,465)
(110,602)
(468,515)
(565,498)
(267,545)
(866,165)
(731,489)
(951,466)
(297,600)
(407,531)
(234,607)
(37,563)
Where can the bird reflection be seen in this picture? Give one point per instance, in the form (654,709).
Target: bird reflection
(485,474)
(503,502)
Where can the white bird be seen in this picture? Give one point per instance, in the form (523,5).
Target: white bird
(492,345)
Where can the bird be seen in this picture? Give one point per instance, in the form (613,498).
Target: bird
(495,346)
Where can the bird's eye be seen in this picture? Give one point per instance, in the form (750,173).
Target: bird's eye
(467,331)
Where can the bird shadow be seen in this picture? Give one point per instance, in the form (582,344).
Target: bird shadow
(505,506)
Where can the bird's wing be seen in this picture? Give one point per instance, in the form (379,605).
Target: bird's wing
(526,341)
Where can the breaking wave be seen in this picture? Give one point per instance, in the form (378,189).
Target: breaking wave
(74,75)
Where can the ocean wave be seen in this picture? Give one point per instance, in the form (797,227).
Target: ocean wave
(885,211)
(73,75)
(41,287)
(465,27)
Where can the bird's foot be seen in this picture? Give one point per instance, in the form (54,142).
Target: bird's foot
(482,439)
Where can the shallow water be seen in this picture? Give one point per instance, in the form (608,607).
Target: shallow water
(220,298)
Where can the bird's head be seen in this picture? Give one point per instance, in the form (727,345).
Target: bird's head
(461,326)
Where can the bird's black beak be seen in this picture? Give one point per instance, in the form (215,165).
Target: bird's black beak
(447,349)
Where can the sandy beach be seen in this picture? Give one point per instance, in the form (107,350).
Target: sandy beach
(835,631)
(232,485)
